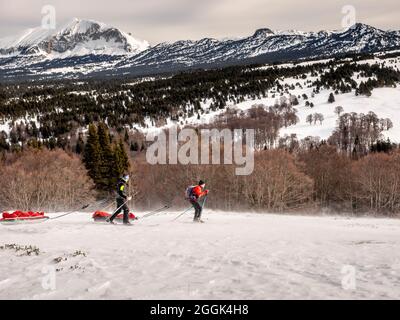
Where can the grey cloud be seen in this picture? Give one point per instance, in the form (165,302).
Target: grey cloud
(168,20)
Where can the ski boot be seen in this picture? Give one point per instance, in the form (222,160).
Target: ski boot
(108,220)
(198,220)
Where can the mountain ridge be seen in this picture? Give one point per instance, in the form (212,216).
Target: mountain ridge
(85,48)
(76,33)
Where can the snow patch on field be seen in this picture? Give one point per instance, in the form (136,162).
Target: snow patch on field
(384,102)
(232,256)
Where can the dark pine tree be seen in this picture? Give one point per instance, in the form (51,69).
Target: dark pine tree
(121,160)
(134,146)
(92,157)
(80,145)
(331,98)
(106,168)
(126,136)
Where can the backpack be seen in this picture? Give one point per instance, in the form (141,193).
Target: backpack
(189,193)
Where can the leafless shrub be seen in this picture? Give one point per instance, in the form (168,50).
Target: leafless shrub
(277,184)
(44,180)
(377,181)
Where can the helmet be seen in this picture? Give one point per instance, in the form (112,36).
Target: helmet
(125,177)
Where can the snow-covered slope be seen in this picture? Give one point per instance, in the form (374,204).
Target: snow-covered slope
(24,41)
(384,102)
(232,256)
(76,38)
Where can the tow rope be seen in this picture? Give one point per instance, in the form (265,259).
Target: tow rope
(76,210)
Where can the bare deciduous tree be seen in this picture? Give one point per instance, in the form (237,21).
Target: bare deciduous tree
(44,180)
(339,110)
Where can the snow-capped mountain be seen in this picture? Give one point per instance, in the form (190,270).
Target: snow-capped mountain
(266,45)
(88,48)
(77,38)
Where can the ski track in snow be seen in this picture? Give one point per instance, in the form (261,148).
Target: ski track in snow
(232,256)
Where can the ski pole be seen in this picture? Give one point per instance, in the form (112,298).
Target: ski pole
(204,202)
(155,212)
(107,205)
(120,207)
(182,213)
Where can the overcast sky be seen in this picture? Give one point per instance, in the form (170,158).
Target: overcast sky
(167,20)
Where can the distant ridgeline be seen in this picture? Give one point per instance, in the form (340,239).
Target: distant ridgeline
(84,49)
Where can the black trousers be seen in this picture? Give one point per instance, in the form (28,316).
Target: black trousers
(197,209)
(121,206)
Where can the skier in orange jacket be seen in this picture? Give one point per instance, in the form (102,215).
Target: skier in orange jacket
(194,194)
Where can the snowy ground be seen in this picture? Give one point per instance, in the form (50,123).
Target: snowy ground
(384,102)
(232,256)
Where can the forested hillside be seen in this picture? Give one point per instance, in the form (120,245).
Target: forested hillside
(52,113)
(321,134)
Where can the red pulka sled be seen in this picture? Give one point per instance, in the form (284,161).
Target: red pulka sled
(19,217)
(100,216)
